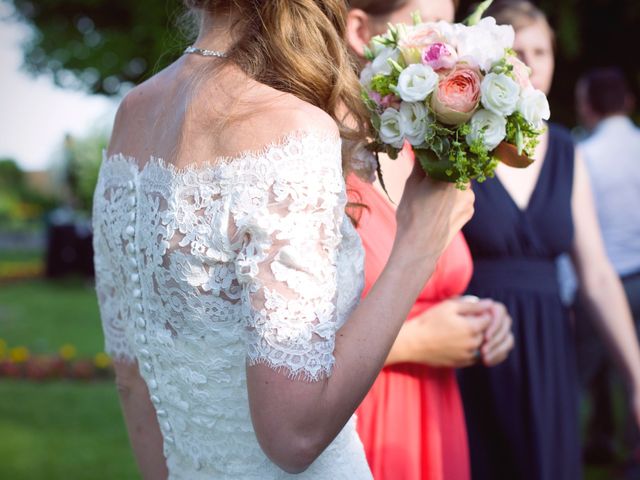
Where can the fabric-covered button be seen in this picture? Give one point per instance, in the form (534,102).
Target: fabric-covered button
(141,338)
(161,413)
(169,439)
(167,426)
(131,248)
(133,262)
(130,231)
(155,400)
(153,385)
(130,185)
(135,278)
(132,217)
(132,200)
(137,293)
(141,322)
(139,308)
(145,353)
(148,367)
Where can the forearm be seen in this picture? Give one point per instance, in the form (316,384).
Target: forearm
(311,414)
(606,299)
(142,424)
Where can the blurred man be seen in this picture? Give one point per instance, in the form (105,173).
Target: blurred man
(612,156)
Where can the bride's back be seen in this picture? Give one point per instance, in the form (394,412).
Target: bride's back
(196,111)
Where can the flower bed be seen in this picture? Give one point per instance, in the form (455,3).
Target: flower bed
(18,362)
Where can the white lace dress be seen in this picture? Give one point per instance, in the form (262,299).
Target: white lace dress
(203,269)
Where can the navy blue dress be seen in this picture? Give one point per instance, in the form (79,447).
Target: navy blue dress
(522,415)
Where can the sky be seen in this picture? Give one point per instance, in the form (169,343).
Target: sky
(36,114)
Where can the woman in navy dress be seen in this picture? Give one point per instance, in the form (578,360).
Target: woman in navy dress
(522,416)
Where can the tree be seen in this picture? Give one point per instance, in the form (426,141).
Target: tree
(101,45)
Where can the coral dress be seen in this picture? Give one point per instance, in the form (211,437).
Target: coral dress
(411,422)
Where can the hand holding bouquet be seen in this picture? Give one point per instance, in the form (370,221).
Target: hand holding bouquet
(458,94)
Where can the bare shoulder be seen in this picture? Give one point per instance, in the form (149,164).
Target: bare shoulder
(266,115)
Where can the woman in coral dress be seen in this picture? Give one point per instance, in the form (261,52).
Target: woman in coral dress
(411,422)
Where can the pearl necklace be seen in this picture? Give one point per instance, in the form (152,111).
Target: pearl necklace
(205,53)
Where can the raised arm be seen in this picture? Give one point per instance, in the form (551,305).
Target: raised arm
(304,380)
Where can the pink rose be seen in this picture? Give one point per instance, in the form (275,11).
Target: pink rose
(414,43)
(457,96)
(439,56)
(521,72)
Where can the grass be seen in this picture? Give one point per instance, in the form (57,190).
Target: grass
(58,430)
(62,431)
(44,315)
(68,430)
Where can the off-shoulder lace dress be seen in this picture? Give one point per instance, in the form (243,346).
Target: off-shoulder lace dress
(202,270)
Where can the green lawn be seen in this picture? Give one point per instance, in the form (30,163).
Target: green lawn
(63,431)
(66,430)
(43,316)
(59,429)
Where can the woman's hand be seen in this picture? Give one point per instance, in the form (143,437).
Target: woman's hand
(498,336)
(449,334)
(429,215)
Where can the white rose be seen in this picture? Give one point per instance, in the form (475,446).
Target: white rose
(391,128)
(415,122)
(534,106)
(484,43)
(499,93)
(492,128)
(416,82)
(380,64)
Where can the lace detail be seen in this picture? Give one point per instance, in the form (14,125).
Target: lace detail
(202,269)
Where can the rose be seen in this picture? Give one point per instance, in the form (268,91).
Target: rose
(415,121)
(416,39)
(391,128)
(484,42)
(416,82)
(521,72)
(490,127)
(457,96)
(534,106)
(500,94)
(439,56)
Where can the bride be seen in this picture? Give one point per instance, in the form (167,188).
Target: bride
(227,271)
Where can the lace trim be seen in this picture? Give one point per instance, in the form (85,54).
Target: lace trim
(281,143)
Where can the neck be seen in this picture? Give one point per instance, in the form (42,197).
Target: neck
(216,31)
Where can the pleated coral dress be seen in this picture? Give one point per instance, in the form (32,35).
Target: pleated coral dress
(411,422)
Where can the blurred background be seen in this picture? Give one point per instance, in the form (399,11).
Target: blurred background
(64,65)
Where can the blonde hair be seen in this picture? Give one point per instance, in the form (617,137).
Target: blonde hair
(298,47)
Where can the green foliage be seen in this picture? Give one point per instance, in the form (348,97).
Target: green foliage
(20,205)
(101,44)
(83,157)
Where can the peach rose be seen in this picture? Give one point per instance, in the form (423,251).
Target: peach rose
(457,96)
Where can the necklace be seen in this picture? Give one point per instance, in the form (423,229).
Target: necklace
(205,53)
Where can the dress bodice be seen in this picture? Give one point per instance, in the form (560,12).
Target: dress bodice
(203,270)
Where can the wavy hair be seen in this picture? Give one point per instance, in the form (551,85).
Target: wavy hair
(298,47)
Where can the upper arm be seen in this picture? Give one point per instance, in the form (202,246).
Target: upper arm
(589,254)
(287,222)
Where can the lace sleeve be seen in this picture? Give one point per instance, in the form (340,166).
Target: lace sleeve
(288,220)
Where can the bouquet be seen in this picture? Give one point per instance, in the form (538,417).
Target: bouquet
(458,94)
